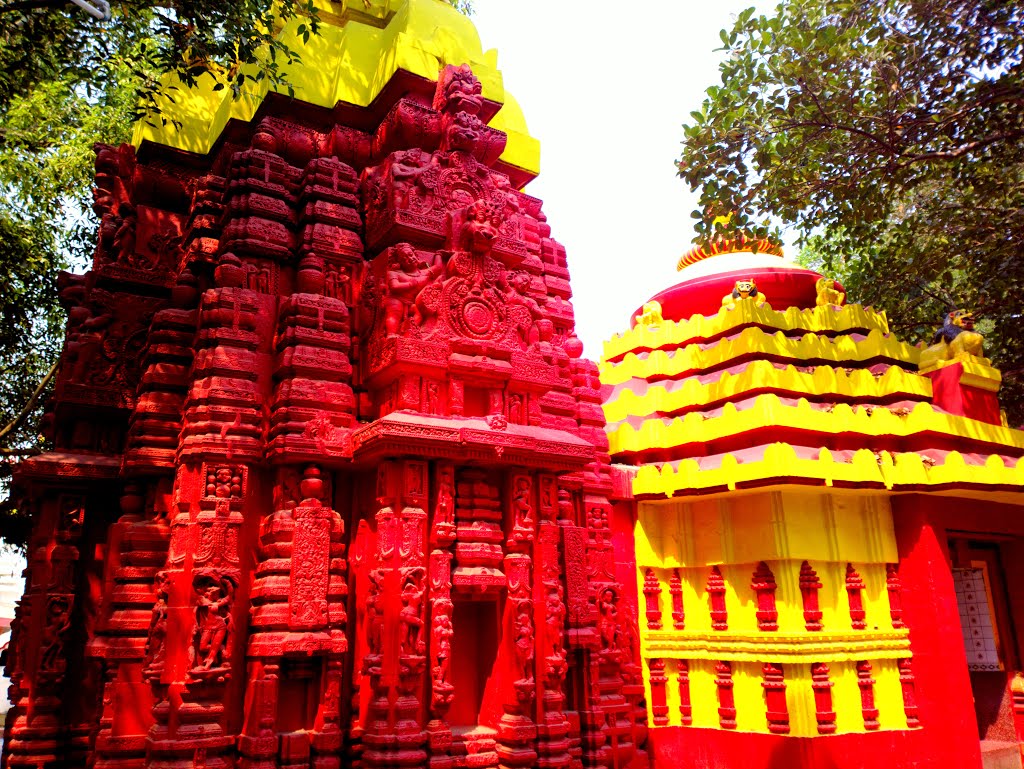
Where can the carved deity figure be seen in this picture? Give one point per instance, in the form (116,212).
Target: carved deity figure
(744,289)
(445,508)
(460,91)
(155,650)
(518,294)
(608,619)
(522,508)
(442,632)
(411,614)
(374,614)
(407,275)
(224,482)
(524,638)
(214,626)
(480,230)
(52,662)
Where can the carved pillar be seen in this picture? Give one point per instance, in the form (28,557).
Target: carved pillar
(726,699)
(38,734)
(716,591)
(397,634)
(131,637)
(892,587)
(809,587)
(658,679)
(867,695)
(774,686)
(551,612)
(652,597)
(822,687)
(909,695)
(763,584)
(854,587)
(675,588)
(517,730)
(685,705)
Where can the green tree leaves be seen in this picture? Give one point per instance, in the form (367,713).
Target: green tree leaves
(889,132)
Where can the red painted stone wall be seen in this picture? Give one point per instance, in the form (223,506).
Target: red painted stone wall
(330,484)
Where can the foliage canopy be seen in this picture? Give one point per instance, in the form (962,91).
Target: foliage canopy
(889,132)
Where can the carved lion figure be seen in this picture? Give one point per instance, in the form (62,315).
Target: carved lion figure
(958,336)
(828,294)
(745,288)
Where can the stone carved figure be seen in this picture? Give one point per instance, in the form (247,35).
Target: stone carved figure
(522,509)
(442,633)
(958,333)
(744,289)
(214,625)
(650,315)
(608,619)
(52,660)
(827,293)
(224,482)
(406,278)
(156,653)
(524,638)
(374,613)
(459,91)
(444,510)
(411,614)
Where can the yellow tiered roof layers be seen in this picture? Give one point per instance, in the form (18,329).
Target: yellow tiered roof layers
(360,48)
(701,328)
(657,434)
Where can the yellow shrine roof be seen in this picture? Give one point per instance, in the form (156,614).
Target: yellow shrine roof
(827,396)
(361,46)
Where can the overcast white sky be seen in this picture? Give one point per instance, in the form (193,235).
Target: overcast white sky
(605,86)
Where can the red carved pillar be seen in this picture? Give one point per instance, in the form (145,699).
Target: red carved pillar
(658,680)
(517,731)
(716,590)
(909,695)
(128,640)
(774,686)
(675,589)
(763,584)
(396,638)
(854,586)
(42,643)
(867,695)
(892,587)
(552,724)
(652,597)
(442,535)
(809,587)
(685,705)
(726,699)
(822,687)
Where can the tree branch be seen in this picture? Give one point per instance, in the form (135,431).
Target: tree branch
(15,423)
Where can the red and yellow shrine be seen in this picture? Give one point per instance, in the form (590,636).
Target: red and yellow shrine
(332,485)
(827,526)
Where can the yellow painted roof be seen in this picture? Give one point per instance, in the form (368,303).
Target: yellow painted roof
(361,46)
(677,391)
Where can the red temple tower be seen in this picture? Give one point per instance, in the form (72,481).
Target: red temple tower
(330,484)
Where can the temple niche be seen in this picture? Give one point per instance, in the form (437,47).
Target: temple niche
(330,485)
